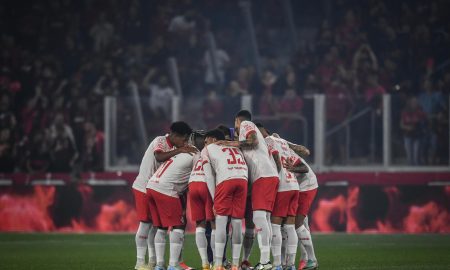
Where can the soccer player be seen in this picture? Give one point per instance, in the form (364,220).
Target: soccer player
(159,150)
(231,174)
(308,189)
(201,202)
(286,202)
(264,179)
(164,191)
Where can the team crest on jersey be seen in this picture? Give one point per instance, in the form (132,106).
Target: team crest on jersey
(248,128)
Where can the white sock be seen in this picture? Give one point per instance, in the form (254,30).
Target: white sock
(303,254)
(305,239)
(249,236)
(151,245)
(269,222)
(176,244)
(309,244)
(141,242)
(221,235)
(276,244)
(180,258)
(263,234)
(202,244)
(284,245)
(236,239)
(291,245)
(213,243)
(160,246)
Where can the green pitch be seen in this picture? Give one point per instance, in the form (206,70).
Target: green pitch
(116,251)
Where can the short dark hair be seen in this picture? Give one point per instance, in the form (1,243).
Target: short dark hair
(215,133)
(244,114)
(181,128)
(259,125)
(225,130)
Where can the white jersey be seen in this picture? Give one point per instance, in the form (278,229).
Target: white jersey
(149,164)
(226,162)
(172,177)
(258,159)
(288,180)
(307,181)
(197,173)
(202,172)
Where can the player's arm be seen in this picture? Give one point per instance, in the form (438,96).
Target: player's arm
(249,143)
(276,158)
(295,167)
(299,149)
(210,179)
(161,156)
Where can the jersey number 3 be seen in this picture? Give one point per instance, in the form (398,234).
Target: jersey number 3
(236,157)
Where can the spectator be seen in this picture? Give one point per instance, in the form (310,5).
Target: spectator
(267,102)
(412,123)
(432,103)
(290,103)
(221,60)
(339,105)
(63,149)
(92,151)
(213,109)
(182,23)
(37,155)
(102,32)
(161,93)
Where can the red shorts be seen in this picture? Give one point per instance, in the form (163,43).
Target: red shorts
(305,200)
(230,198)
(200,202)
(264,191)
(142,208)
(286,204)
(166,210)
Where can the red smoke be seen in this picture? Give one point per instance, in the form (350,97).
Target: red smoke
(326,209)
(119,216)
(427,218)
(335,210)
(27,213)
(30,213)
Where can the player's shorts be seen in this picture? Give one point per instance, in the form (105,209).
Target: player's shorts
(142,207)
(200,201)
(286,204)
(264,192)
(305,200)
(230,198)
(166,210)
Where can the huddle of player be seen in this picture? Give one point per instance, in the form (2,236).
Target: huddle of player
(258,177)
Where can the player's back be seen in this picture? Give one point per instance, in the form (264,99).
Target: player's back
(307,181)
(227,162)
(173,175)
(288,180)
(197,173)
(149,164)
(258,159)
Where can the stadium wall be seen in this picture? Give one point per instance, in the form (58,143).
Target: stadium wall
(363,202)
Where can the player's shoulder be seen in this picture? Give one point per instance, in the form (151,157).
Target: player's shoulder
(247,123)
(248,126)
(183,158)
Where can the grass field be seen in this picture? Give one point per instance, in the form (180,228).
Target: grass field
(116,251)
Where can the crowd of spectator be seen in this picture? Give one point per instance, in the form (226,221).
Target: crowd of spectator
(60,58)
